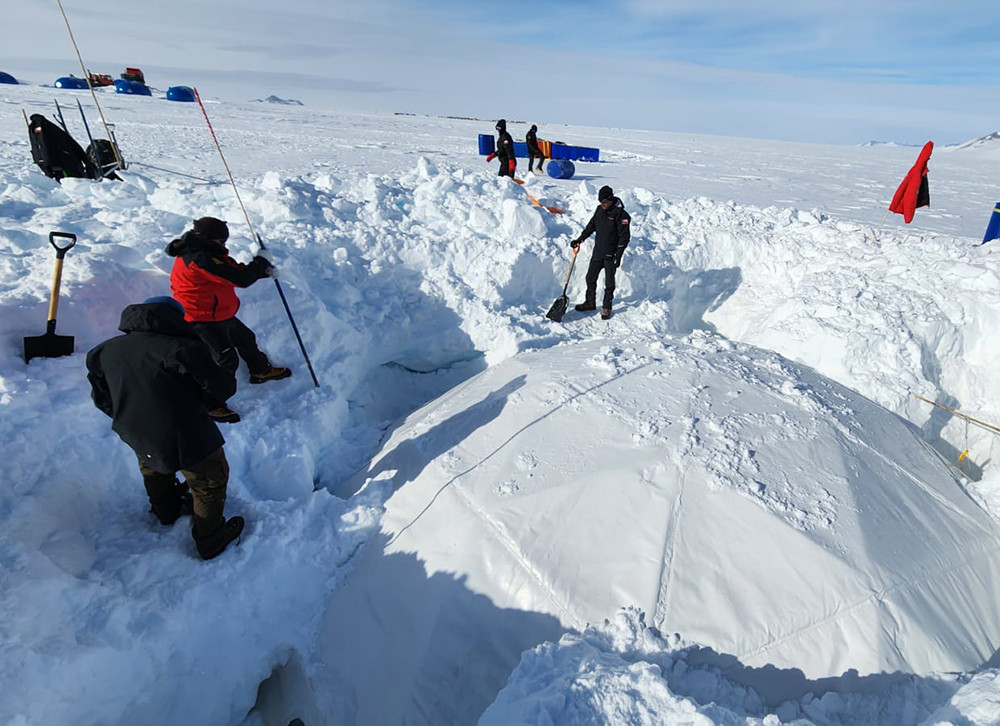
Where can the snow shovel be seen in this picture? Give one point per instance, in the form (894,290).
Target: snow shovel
(51,345)
(559,307)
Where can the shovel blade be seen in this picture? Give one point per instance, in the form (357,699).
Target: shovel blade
(49,345)
(558,309)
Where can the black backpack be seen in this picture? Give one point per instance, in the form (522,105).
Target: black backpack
(102,158)
(57,153)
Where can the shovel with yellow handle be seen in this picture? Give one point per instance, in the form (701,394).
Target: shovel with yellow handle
(51,345)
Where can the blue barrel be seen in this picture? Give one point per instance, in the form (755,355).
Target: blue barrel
(560,168)
(132,87)
(487,144)
(7,78)
(71,82)
(180,93)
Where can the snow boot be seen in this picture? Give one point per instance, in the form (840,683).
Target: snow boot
(224,414)
(271,374)
(586,307)
(171,505)
(214,544)
(606,314)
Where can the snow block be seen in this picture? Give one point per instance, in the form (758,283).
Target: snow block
(180,93)
(487,144)
(7,78)
(131,87)
(71,82)
(560,168)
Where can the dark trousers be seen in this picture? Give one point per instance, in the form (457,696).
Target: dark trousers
(207,481)
(596,265)
(226,338)
(532,155)
(505,169)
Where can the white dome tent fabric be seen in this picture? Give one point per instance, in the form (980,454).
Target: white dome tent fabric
(690,500)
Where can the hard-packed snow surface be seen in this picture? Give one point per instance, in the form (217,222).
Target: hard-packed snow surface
(732,496)
(737,458)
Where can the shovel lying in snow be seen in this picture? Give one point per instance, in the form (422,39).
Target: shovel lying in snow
(559,307)
(51,345)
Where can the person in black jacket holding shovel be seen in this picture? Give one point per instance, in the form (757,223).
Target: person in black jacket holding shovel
(611,223)
(156,382)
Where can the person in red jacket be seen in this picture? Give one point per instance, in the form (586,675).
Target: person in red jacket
(204,279)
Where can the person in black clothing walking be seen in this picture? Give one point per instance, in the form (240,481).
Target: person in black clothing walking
(156,382)
(505,150)
(531,141)
(612,226)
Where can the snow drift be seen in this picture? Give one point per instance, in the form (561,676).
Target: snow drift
(679,477)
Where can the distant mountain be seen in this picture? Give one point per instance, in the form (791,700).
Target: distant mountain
(990,140)
(886,143)
(282,101)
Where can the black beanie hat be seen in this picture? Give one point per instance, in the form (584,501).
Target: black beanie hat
(501,124)
(211,228)
(605,193)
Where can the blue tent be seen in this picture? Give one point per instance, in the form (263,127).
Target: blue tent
(7,78)
(993,228)
(180,93)
(133,87)
(71,82)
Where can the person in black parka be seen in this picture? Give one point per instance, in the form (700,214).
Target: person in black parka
(154,382)
(505,150)
(612,225)
(531,141)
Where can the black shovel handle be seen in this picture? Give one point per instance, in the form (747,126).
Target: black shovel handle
(61,251)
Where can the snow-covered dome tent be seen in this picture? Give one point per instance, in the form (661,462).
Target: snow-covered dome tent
(7,78)
(741,500)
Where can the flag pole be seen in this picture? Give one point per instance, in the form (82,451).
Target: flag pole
(879,228)
(260,242)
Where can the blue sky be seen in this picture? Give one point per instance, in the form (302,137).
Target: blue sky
(836,72)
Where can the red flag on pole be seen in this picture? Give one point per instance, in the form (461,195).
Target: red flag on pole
(914,191)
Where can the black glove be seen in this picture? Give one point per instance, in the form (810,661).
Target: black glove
(263,267)
(575,243)
(618,259)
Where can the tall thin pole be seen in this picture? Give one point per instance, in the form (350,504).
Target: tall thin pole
(86,76)
(225,165)
(260,242)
